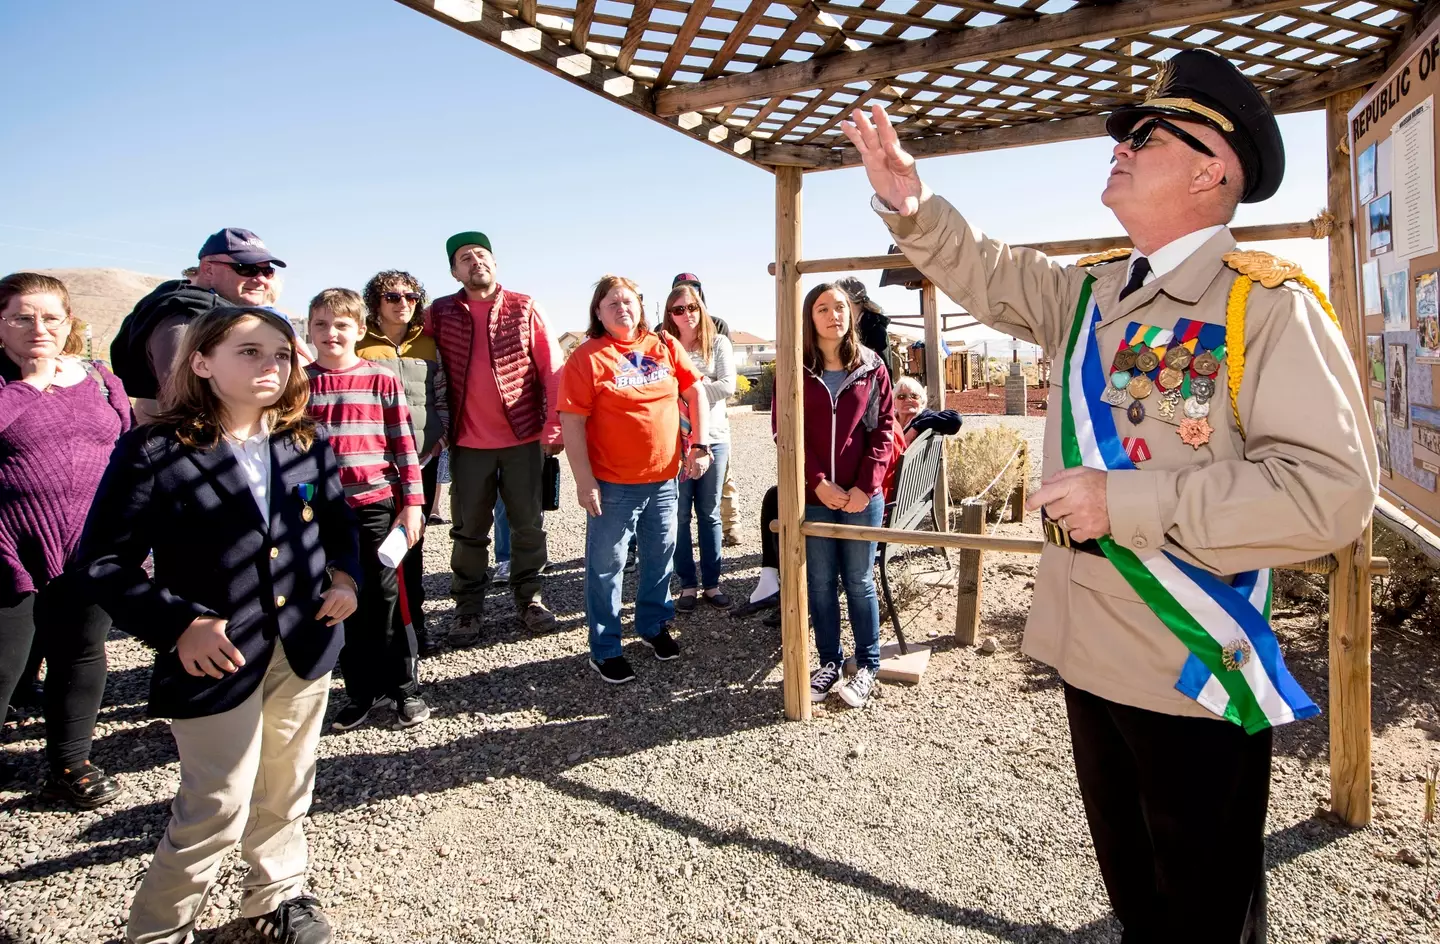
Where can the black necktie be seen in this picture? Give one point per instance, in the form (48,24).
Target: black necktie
(1138,271)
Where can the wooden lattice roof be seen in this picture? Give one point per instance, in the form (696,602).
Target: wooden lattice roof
(770,82)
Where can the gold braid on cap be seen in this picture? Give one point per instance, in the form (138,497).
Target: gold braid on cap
(1271,272)
(1157,96)
(1160,85)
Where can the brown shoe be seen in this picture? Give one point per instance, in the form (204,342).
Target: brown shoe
(537,619)
(466,631)
(730,539)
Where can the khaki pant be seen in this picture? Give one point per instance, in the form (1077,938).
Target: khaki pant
(246,775)
(729,503)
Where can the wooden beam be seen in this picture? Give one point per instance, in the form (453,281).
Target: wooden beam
(1344,286)
(970,575)
(699,9)
(584,17)
(790,440)
(935,390)
(736,39)
(1314,89)
(639,19)
(1009,38)
(527,11)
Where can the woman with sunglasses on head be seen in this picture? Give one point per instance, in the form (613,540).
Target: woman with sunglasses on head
(59,419)
(396,339)
(688,321)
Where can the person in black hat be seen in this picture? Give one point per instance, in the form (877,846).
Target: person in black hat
(1210,425)
(235,268)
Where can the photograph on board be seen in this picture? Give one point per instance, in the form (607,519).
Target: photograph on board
(1371,280)
(1380,235)
(1395,289)
(1366,173)
(1382,434)
(1427,317)
(1375,349)
(1399,394)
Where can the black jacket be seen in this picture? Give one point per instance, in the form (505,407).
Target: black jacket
(215,555)
(129,354)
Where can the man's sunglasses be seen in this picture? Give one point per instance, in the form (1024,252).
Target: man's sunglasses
(249,270)
(1139,137)
(689,309)
(396,298)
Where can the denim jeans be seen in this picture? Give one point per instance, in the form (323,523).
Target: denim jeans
(703,495)
(647,512)
(852,565)
(502,532)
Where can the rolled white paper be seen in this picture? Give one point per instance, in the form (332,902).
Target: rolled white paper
(393,548)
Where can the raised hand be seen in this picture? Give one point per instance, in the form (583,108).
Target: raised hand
(890,168)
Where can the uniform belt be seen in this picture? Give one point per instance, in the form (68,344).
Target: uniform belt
(1061,538)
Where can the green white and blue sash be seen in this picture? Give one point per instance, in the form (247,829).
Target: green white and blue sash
(1235,668)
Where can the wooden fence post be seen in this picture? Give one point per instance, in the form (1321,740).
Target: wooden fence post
(969,578)
(1017,497)
(1350,788)
(935,384)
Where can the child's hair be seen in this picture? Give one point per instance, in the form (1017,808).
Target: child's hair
(342,303)
(849,352)
(189,404)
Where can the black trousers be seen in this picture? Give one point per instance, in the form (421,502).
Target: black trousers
(1177,811)
(412,569)
(769,540)
(70,634)
(380,655)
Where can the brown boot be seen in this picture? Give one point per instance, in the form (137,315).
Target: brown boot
(537,619)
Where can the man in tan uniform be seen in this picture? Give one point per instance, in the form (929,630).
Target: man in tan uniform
(1159,479)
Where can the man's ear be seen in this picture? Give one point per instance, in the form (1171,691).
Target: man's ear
(1209,176)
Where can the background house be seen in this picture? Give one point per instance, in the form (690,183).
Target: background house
(751,351)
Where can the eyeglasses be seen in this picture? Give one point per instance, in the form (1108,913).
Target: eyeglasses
(250,270)
(50,323)
(906,396)
(396,298)
(1139,137)
(679,310)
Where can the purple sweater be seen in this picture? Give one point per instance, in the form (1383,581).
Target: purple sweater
(54,447)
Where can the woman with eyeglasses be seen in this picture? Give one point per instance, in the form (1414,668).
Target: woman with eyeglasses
(59,418)
(395,339)
(688,321)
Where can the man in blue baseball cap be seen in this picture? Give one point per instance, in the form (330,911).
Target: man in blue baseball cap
(235,268)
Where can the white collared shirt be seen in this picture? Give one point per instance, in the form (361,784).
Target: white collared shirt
(1169,257)
(253,456)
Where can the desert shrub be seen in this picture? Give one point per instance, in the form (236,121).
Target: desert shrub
(762,390)
(976,458)
(742,389)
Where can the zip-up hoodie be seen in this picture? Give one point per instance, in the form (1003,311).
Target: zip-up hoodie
(848,438)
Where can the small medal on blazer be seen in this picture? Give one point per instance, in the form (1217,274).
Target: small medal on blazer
(306,491)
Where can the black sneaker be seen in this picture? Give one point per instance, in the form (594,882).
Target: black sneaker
(616,671)
(412,710)
(823,681)
(353,714)
(466,631)
(297,921)
(665,646)
(85,786)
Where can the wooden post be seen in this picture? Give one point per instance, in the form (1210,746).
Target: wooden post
(1350,603)
(1017,497)
(790,440)
(935,391)
(969,578)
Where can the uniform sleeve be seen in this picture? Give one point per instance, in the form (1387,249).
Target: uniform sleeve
(114,544)
(548,361)
(1308,479)
(400,437)
(577,384)
(1018,291)
(722,387)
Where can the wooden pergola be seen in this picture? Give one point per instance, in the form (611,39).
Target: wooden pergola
(769,82)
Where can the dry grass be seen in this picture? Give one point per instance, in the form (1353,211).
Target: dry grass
(977,457)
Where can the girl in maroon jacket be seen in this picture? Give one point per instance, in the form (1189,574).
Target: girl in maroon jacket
(849,413)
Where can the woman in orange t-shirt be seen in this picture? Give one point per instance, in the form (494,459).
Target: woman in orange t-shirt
(619,411)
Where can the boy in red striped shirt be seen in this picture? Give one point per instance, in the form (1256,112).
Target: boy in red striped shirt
(363,408)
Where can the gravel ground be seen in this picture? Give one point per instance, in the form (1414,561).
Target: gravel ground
(541,805)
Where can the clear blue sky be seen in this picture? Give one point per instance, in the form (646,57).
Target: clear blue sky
(356,135)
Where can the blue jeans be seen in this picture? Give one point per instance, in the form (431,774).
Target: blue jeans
(502,532)
(852,564)
(647,512)
(703,495)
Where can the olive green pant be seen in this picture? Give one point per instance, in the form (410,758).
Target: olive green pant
(477,476)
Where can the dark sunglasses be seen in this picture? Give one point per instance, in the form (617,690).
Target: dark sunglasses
(395,298)
(250,270)
(1139,137)
(679,310)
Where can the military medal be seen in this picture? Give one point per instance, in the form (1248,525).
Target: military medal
(1115,396)
(1178,357)
(1139,387)
(1195,433)
(1125,359)
(306,492)
(1236,655)
(1135,448)
(1170,378)
(1196,408)
(1207,364)
(1119,379)
(1147,361)
(1136,412)
(1168,402)
(1203,388)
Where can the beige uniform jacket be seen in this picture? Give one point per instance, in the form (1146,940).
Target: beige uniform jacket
(1301,484)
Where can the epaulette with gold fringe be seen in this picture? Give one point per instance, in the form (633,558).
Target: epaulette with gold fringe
(1271,272)
(1109,255)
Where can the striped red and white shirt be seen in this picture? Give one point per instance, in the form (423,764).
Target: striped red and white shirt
(363,409)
